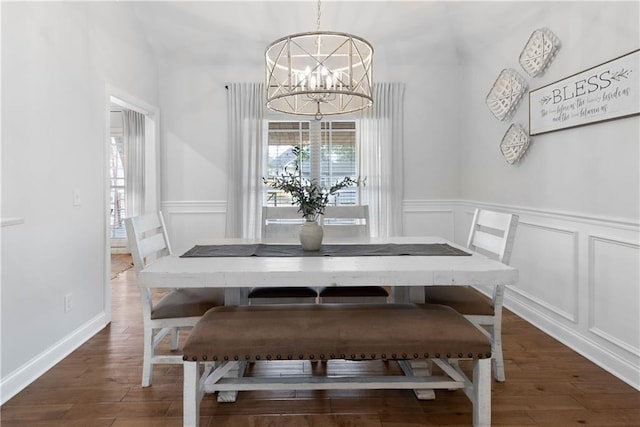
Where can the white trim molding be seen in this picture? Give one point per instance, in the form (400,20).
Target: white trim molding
(573,269)
(197,206)
(612,288)
(19,379)
(8,222)
(441,217)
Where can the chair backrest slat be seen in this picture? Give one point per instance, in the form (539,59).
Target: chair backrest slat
(488,242)
(153,245)
(493,234)
(281,223)
(146,223)
(350,222)
(495,220)
(148,239)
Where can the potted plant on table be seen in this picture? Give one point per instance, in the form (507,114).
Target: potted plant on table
(312,199)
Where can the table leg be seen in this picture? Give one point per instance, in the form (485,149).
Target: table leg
(418,368)
(416,294)
(238,371)
(407,294)
(400,294)
(236,296)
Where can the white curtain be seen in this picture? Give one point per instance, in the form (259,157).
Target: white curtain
(133,127)
(380,145)
(245,103)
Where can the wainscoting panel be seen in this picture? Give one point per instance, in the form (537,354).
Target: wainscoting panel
(547,261)
(424,218)
(613,282)
(193,221)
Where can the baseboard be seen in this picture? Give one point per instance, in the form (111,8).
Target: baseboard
(597,354)
(19,379)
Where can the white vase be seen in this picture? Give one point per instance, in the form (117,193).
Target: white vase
(311,236)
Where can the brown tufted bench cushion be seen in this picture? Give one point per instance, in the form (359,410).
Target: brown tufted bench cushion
(334,331)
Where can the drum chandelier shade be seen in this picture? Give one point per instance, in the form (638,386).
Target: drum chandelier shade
(319,73)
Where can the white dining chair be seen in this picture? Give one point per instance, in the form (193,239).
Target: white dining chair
(178,309)
(281,224)
(492,234)
(349,224)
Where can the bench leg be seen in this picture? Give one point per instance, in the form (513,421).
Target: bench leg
(175,339)
(191,394)
(496,351)
(482,392)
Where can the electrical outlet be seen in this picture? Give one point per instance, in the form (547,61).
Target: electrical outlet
(68,302)
(77,200)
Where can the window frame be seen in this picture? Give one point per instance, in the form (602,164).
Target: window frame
(327,135)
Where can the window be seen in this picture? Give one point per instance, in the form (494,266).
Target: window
(117,211)
(338,157)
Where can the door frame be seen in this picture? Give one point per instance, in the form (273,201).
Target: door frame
(152,169)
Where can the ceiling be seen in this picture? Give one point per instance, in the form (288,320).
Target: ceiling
(229,31)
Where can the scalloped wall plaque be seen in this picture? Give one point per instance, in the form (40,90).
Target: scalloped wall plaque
(539,51)
(514,143)
(505,93)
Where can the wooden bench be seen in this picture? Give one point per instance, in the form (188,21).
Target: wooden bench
(227,337)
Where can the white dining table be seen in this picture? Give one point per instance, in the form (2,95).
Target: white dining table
(407,275)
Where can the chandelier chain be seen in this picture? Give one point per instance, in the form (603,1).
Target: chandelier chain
(318,21)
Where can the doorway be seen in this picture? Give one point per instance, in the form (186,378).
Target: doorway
(132,181)
(132,159)
(117,179)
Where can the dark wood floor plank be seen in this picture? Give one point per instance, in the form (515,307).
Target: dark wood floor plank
(95,422)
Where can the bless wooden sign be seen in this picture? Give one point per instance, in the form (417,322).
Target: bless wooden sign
(604,92)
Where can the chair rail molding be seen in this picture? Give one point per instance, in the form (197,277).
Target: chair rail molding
(430,217)
(200,206)
(8,222)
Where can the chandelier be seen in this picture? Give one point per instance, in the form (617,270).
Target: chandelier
(319,73)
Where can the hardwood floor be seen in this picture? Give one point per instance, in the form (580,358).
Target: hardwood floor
(120,263)
(99,385)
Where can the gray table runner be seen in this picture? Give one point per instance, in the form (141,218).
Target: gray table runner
(263,250)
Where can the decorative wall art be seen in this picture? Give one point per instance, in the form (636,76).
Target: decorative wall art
(605,92)
(539,51)
(505,93)
(514,143)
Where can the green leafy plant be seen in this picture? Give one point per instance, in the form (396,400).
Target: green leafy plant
(308,194)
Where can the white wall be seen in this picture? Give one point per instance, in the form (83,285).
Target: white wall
(57,60)
(591,169)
